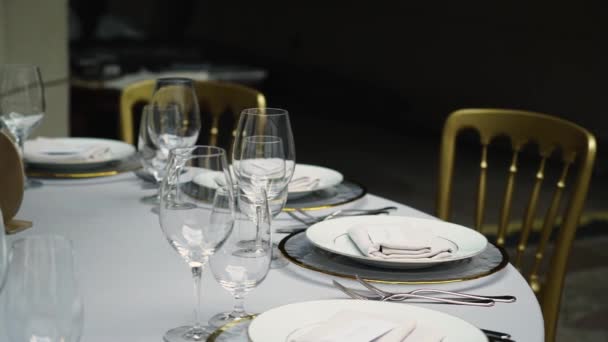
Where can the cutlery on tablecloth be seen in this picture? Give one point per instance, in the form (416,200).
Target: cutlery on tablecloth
(395,295)
(310,219)
(457,301)
(491,334)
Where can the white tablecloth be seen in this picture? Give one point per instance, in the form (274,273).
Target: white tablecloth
(135,286)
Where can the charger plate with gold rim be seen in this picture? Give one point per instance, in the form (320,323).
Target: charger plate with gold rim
(345,192)
(235,331)
(297,249)
(130,164)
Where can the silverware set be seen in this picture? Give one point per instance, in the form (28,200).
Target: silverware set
(307,219)
(432,295)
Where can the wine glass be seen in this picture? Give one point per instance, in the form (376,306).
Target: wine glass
(267,122)
(146,150)
(43,301)
(196,216)
(238,266)
(173,122)
(22,102)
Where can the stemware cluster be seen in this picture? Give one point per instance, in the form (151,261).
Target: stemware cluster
(212,213)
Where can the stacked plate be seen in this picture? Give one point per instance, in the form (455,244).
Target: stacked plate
(78,157)
(293,321)
(333,236)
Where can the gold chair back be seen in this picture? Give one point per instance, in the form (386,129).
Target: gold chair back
(214,97)
(550,134)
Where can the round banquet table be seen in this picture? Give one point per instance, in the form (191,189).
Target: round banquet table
(135,286)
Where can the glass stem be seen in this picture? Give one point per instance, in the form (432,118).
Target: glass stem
(258,213)
(197,272)
(239,305)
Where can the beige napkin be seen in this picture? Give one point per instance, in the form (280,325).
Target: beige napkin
(354,326)
(54,151)
(303,184)
(398,242)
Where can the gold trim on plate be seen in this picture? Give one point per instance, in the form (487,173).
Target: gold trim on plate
(80,175)
(213,337)
(503,263)
(333,205)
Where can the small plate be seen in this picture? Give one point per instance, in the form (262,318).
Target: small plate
(277,324)
(332,236)
(118,151)
(327,178)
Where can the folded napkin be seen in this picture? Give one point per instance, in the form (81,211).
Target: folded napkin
(302,184)
(60,150)
(354,326)
(398,242)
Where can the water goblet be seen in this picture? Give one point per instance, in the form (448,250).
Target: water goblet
(196,216)
(22,103)
(239,266)
(43,301)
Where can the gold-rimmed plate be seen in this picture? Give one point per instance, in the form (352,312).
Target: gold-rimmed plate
(345,192)
(298,250)
(130,164)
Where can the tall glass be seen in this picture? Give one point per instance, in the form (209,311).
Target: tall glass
(267,122)
(196,216)
(237,266)
(43,301)
(146,150)
(173,121)
(22,103)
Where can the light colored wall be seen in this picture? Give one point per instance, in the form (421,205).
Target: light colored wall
(36,32)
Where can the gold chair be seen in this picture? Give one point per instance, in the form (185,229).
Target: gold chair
(214,97)
(550,134)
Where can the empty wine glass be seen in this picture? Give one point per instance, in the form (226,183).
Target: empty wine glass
(22,102)
(237,266)
(146,150)
(43,301)
(268,122)
(196,216)
(173,121)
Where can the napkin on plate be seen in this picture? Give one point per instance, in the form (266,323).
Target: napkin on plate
(398,242)
(303,184)
(354,326)
(60,150)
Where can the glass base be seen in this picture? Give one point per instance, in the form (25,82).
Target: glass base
(151,199)
(226,317)
(187,333)
(278,260)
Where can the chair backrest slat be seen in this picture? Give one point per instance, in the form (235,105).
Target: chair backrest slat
(481,188)
(505,212)
(530,213)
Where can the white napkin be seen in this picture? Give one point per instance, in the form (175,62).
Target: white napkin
(399,242)
(354,326)
(302,184)
(58,150)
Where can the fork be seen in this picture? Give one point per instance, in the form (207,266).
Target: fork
(356,295)
(396,295)
(341,212)
(492,335)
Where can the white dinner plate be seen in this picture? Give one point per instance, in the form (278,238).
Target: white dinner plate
(119,150)
(332,236)
(327,178)
(277,324)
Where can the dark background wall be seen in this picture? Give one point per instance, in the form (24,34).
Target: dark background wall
(411,61)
